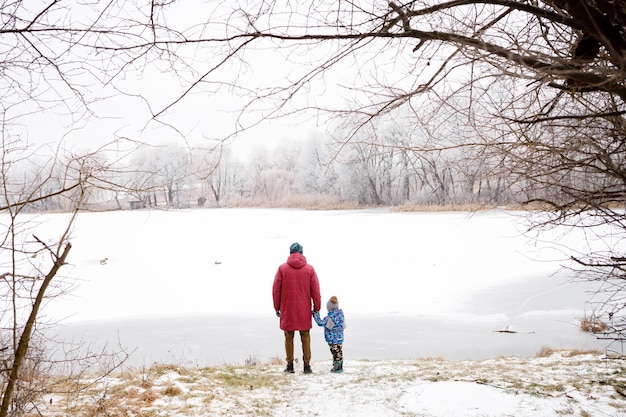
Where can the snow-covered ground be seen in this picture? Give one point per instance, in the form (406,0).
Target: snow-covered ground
(194,287)
(560,384)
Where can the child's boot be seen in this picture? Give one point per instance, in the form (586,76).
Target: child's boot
(289,368)
(337,367)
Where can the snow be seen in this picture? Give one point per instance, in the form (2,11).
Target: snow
(193,287)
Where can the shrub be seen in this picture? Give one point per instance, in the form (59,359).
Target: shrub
(593,325)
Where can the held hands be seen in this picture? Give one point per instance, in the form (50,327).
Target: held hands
(316,313)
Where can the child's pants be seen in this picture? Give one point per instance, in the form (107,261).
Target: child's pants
(336,351)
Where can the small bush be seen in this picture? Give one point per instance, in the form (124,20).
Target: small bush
(276,360)
(252,361)
(593,325)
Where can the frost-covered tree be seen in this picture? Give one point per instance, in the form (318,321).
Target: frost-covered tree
(220,174)
(160,171)
(317,174)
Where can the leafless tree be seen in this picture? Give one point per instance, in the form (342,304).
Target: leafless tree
(32,260)
(546,78)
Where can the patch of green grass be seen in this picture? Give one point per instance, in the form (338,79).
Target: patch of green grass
(244,378)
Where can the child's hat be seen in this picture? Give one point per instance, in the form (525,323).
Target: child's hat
(332,304)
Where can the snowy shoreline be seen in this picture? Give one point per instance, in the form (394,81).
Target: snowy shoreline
(555,384)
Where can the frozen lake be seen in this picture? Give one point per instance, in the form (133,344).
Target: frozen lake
(194,286)
(214,340)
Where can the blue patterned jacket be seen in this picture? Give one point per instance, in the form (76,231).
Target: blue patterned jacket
(334,324)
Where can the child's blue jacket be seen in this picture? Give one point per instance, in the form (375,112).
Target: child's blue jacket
(333,324)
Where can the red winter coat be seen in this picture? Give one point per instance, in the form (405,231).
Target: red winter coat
(296,292)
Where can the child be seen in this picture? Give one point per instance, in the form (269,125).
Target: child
(333,324)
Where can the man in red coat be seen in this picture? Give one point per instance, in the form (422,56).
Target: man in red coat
(296,293)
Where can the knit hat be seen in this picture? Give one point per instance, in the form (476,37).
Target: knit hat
(332,304)
(295,247)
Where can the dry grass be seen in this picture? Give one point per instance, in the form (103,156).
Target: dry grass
(593,325)
(466,207)
(172,391)
(546,352)
(307,202)
(181,391)
(433,208)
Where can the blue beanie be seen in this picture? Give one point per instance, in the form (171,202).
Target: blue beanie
(295,247)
